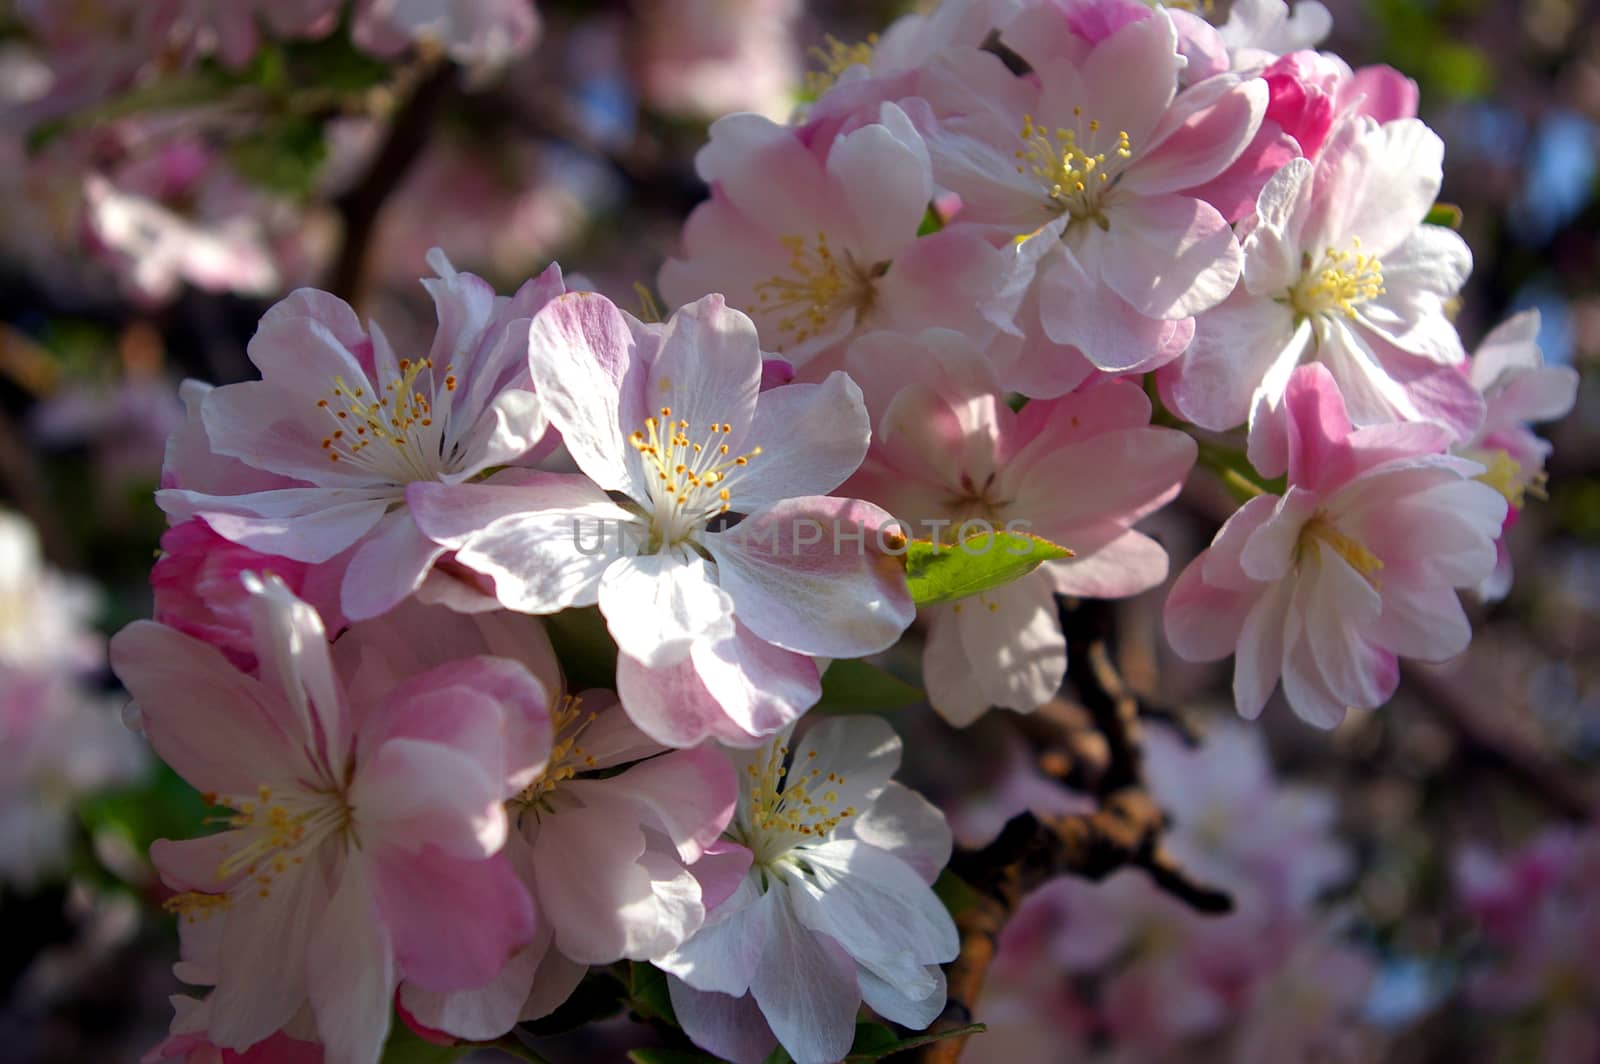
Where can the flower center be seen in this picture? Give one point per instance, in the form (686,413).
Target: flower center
(686,476)
(835,59)
(567,758)
(1342,281)
(1074,175)
(1321,530)
(787,810)
(818,287)
(274,834)
(401,420)
(1505,475)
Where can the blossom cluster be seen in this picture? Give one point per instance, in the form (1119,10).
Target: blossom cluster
(1538,925)
(1122,971)
(1002,270)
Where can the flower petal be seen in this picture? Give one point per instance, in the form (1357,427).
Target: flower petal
(809,575)
(806,988)
(351,972)
(581,353)
(454,923)
(657,605)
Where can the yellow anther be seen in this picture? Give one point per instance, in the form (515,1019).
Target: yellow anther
(1342,281)
(835,59)
(819,285)
(1321,530)
(1073,173)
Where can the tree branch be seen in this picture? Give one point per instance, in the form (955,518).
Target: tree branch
(1124,832)
(361,204)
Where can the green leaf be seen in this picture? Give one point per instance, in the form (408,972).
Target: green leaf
(915,1042)
(931,222)
(957,894)
(284,157)
(778,1056)
(943,572)
(872,1038)
(405,1046)
(163,806)
(857,687)
(670,1056)
(583,646)
(647,993)
(1445,214)
(333,63)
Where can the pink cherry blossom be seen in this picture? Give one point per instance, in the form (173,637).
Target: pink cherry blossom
(1518,389)
(1339,269)
(367,822)
(622,865)
(950,450)
(1354,567)
(46,617)
(63,743)
(818,242)
(715,627)
(351,423)
(834,911)
(1086,173)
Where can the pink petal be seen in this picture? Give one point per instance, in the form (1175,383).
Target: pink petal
(657,605)
(218,728)
(1206,129)
(351,971)
(454,923)
(1203,622)
(390,564)
(581,356)
(736,690)
(1170,256)
(811,436)
(809,575)
(708,371)
(1078,310)
(687,795)
(731,1027)
(306,524)
(412,792)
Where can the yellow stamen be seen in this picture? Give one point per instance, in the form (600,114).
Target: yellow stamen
(1342,281)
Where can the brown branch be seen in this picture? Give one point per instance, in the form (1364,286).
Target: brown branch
(1124,832)
(361,204)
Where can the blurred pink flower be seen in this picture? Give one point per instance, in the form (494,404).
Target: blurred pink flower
(708,58)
